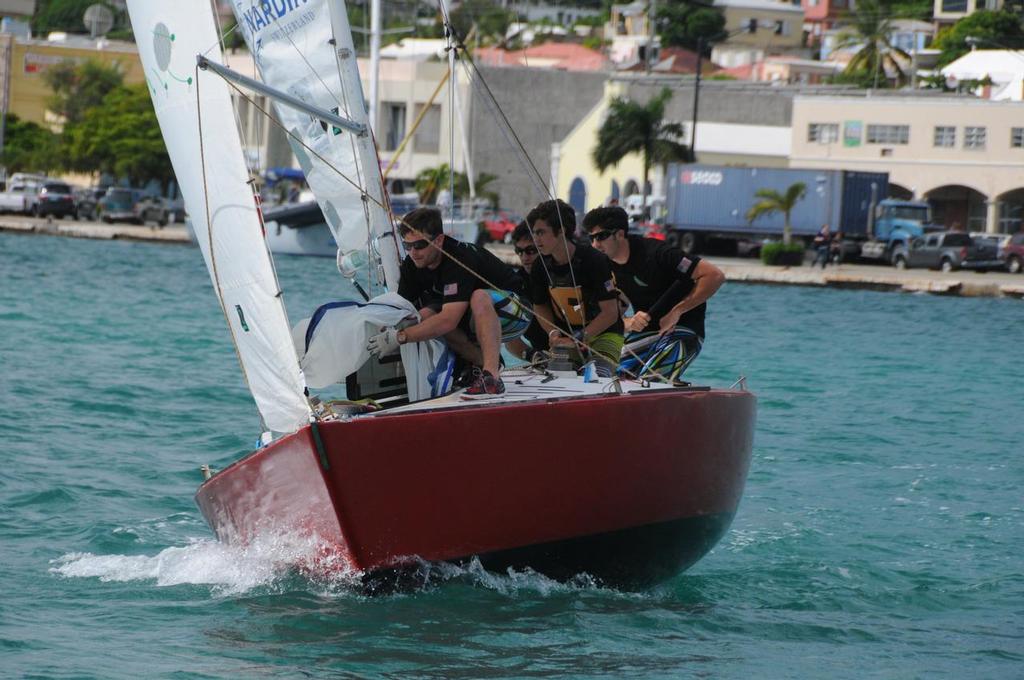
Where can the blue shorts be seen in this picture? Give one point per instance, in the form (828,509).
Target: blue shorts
(668,355)
(513,313)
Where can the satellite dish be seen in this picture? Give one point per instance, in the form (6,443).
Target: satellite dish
(98,20)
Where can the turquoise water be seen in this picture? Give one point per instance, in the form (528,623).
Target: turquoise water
(879,537)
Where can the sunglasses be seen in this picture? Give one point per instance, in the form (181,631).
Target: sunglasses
(415,245)
(600,235)
(528,250)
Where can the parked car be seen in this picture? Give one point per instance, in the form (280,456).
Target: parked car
(54,198)
(499,227)
(118,204)
(948,250)
(177,210)
(87,202)
(152,209)
(1013,253)
(19,197)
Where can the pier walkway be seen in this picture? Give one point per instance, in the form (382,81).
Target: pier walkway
(744,270)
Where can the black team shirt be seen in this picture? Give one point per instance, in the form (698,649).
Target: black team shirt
(450,282)
(593,276)
(647,276)
(535,333)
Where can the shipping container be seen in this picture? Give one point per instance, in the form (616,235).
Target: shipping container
(714,200)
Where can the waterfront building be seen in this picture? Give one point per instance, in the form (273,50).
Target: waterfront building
(963,155)
(759,28)
(23,61)
(947,12)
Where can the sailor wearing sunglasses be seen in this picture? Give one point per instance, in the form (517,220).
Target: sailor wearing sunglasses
(449,282)
(667,288)
(535,338)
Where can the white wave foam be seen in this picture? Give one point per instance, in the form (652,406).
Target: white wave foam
(231,570)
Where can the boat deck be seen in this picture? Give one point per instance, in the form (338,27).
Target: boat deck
(525,384)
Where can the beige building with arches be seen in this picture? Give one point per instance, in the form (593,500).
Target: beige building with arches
(963,155)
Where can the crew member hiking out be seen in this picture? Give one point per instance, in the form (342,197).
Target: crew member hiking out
(449,282)
(535,338)
(668,290)
(572,289)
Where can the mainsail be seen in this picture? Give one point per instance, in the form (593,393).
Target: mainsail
(305,49)
(198,125)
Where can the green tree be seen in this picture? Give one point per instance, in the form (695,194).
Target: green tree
(682,24)
(632,127)
(79,87)
(29,147)
(771,201)
(993,30)
(430,181)
(871,30)
(121,136)
(492,21)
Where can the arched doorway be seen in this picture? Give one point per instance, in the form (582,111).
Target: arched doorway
(1011,212)
(955,206)
(615,195)
(631,188)
(578,195)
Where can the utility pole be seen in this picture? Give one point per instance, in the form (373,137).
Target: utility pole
(652,13)
(696,98)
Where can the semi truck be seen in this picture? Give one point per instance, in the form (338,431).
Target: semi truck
(705,202)
(894,225)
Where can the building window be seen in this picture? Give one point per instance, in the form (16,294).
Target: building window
(1017,138)
(974,138)
(954,5)
(945,136)
(888,134)
(392,116)
(823,133)
(428,135)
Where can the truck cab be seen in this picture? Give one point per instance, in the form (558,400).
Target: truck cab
(896,224)
(897,220)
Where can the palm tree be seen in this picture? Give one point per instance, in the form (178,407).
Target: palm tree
(871,29)
(430,181)
(772,202)
(639,128)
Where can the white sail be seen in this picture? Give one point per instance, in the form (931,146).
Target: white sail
(211,172)
(305,49)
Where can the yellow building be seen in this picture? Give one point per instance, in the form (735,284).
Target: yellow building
(25,61)
(577,179)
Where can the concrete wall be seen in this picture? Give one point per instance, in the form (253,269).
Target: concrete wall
(543,106)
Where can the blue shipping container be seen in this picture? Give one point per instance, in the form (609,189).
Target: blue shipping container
(708,198)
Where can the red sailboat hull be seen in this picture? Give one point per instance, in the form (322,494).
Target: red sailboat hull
(630,489)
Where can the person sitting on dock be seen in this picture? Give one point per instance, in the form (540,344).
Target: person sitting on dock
(667,288)
(572,289)
(450,283)
(534,339)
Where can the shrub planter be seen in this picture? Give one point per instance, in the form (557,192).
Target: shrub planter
(779,255)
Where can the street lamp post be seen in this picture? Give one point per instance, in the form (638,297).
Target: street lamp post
(696,99)
(701,46)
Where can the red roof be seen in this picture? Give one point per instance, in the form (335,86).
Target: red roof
(676,60)
(555,55)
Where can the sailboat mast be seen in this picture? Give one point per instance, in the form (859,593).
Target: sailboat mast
(380,226)
(375,32)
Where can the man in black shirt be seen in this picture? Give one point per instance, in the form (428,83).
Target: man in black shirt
(535,338)
(449,281)
(668,290)
(572,289)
